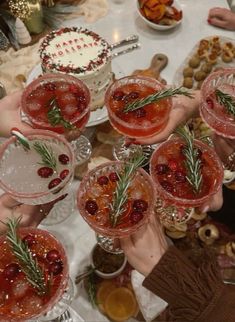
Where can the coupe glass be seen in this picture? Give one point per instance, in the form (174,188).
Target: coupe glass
(20,301)
(95,197)
(53,95)
(142,123)
(212,112)
(29,181)
(176,195)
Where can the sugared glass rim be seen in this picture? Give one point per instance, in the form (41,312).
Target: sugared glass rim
(183,202)
(207,83)
(31,134)
(117,231)
(148,81)
(65,277)
(49,77)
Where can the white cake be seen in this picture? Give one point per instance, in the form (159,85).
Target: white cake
(81,53)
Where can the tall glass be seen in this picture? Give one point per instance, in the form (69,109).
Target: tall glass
(169,172)
(54,96)
(23,174)
(142,123)
(20,301)
(212,112)
(96,195)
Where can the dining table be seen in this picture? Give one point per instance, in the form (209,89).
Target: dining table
(121,21)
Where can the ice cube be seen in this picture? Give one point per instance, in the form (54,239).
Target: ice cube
(95,191)
(20,288)
(68,97)
(34,106)
(32,303)
(70,109)
(63,87)
(39,93)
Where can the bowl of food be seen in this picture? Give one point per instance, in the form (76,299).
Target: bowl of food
(160,14)
(107,265)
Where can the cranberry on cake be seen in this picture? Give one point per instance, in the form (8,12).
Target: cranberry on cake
(81,53)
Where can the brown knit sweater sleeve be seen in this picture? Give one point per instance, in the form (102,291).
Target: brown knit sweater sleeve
(193,293)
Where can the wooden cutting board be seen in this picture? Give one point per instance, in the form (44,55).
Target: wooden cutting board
(157,64)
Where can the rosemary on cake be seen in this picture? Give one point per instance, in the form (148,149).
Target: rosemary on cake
(120,195)
(54,115)
(192,162)
(226,100)
(25,258)
(156,97)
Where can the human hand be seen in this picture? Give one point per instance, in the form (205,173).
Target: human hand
(214,204)
(10,114)
(183,109)
(222,18)
(225,147)
(145,247)
(30,215)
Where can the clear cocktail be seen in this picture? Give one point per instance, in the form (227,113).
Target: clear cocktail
(40,173)
(217,107)
(19,299)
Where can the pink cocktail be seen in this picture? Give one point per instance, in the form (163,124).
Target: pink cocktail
(32,177)
(169,173)
(143,122)
(19,299)
(57,102)
(212,111)
(96,195)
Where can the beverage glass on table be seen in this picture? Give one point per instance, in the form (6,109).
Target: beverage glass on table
(34,275)
(217,107)
(37,168)
(140,123)
(59,103)
(112,206)
(169,169)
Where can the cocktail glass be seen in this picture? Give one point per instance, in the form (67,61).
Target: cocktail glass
(59,103)
(142,123)
(20,300)
(212,112)
(27,178)
(96,195)
(168,171)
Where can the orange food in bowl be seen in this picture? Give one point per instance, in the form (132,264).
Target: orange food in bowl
(120,304)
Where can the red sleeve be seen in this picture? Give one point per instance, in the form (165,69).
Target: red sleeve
(193,293)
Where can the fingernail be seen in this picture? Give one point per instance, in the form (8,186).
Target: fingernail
(209,21)
(205,209)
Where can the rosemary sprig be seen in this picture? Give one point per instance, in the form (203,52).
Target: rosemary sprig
(91,287)
(120,194)
(226,100)
(54,115)
(46,153)
(27,263)
(156,97)
(193,163)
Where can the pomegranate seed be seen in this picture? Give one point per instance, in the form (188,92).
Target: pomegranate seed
(140,205)
(11,271)
(50,87)
(167,186)
(63,174)
(63,158)
(180,176)
(136,216)
(162,168)
(73,89)
(113,177)
(45,172)
(53,255)
(210,103)
(81,98)
(56,268)
(103,180)
(55,182)
(173,165)
(29,240)
(140,112)
(91,207)
(118,95)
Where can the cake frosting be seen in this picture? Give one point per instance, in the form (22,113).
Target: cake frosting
(81,53)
